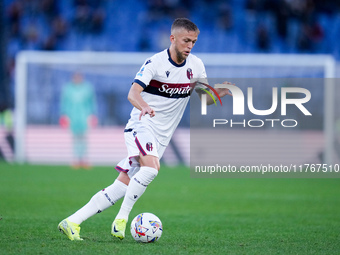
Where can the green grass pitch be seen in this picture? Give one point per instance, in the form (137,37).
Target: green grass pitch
(199,216)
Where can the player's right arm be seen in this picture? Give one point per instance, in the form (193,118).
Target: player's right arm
(64,120)
(137,101)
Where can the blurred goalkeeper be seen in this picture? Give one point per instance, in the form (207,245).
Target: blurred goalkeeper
(77,108)
(159,93)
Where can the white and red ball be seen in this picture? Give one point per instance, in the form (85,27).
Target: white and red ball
(146,228)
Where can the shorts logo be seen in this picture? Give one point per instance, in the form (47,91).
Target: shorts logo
(149,146)
(189,73)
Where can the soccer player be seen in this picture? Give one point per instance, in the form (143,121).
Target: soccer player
(159,94)
(77,109)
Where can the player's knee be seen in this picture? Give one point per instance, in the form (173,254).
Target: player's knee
(150,161)
(124,178)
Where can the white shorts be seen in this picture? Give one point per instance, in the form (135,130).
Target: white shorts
(139,142)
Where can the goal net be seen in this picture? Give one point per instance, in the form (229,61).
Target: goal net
(40,77)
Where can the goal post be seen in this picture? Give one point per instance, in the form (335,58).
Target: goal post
(38,68)
(66,59)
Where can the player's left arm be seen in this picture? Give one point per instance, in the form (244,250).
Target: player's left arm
(92,119)
(221,93)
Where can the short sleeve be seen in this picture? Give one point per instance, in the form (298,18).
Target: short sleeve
(201,78)
(203,73)
(146,73)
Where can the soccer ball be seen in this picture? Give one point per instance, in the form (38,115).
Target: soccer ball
(146,228)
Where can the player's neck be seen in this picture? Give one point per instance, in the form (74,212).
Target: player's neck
(174,57)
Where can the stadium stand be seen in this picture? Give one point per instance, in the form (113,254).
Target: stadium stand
(229,26)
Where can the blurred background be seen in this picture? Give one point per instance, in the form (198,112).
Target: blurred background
(227,26)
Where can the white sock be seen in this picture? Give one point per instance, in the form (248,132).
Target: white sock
(99,202)
(135,190)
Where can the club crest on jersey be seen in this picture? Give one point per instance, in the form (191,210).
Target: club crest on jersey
(167,73)
(149,146)
(189,73)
